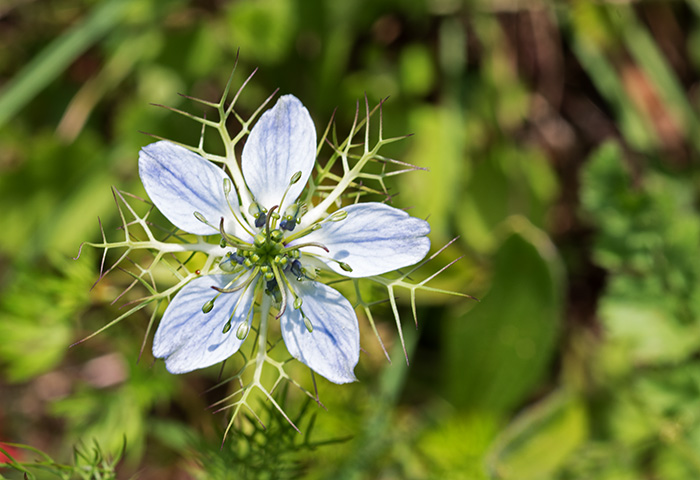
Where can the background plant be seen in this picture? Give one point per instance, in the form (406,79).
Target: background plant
(561,141)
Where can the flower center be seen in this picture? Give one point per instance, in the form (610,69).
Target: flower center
(268,252)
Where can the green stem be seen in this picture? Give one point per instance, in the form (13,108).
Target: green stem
(315,213)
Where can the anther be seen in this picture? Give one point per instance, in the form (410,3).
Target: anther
(227,186)
(296,268)
(227,327)
(311,273)
(201,218)
(307,324)
(206,308)
(260,220)
(338,216)
(229,263)
(292,216)
(242,331)
(295,178)
(297,303)
(345,266)
(259,213)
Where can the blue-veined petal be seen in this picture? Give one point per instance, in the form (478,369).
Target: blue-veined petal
(180,182)
(332,348)
(282,142)
(190,339)
(374,238)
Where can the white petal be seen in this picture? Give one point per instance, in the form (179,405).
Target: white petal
(180,182)
(374,238)
(190,339)
(281,143)
(332,348)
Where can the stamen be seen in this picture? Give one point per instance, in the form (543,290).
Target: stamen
(296,268)
(226,289)
(302,233)
(227,239)
(342,265)
(206,308)
(227,325)
(278,276)
(295,178)
(292,216)
(307,324)
(259,213)
(242,331)
(227,191)
(199,216)
(227,263)
(337,216)
(309,244)
(272,289)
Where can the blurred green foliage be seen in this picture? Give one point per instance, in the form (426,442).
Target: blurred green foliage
(561,141)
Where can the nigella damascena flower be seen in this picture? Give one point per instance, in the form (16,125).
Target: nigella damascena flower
(271,245)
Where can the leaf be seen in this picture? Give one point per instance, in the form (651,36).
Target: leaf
(46,66)
(540,440)
(499,351)
(648,232)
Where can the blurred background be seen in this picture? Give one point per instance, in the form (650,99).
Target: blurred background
(562,143)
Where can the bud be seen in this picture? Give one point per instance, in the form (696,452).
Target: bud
(206,308)
(242,331)
(307,324)
(345,266)
(295,178)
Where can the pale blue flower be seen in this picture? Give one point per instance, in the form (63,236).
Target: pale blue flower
(269,248)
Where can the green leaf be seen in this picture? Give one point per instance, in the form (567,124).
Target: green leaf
(506,180)
(44,68)
(500,350)
(540,440)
